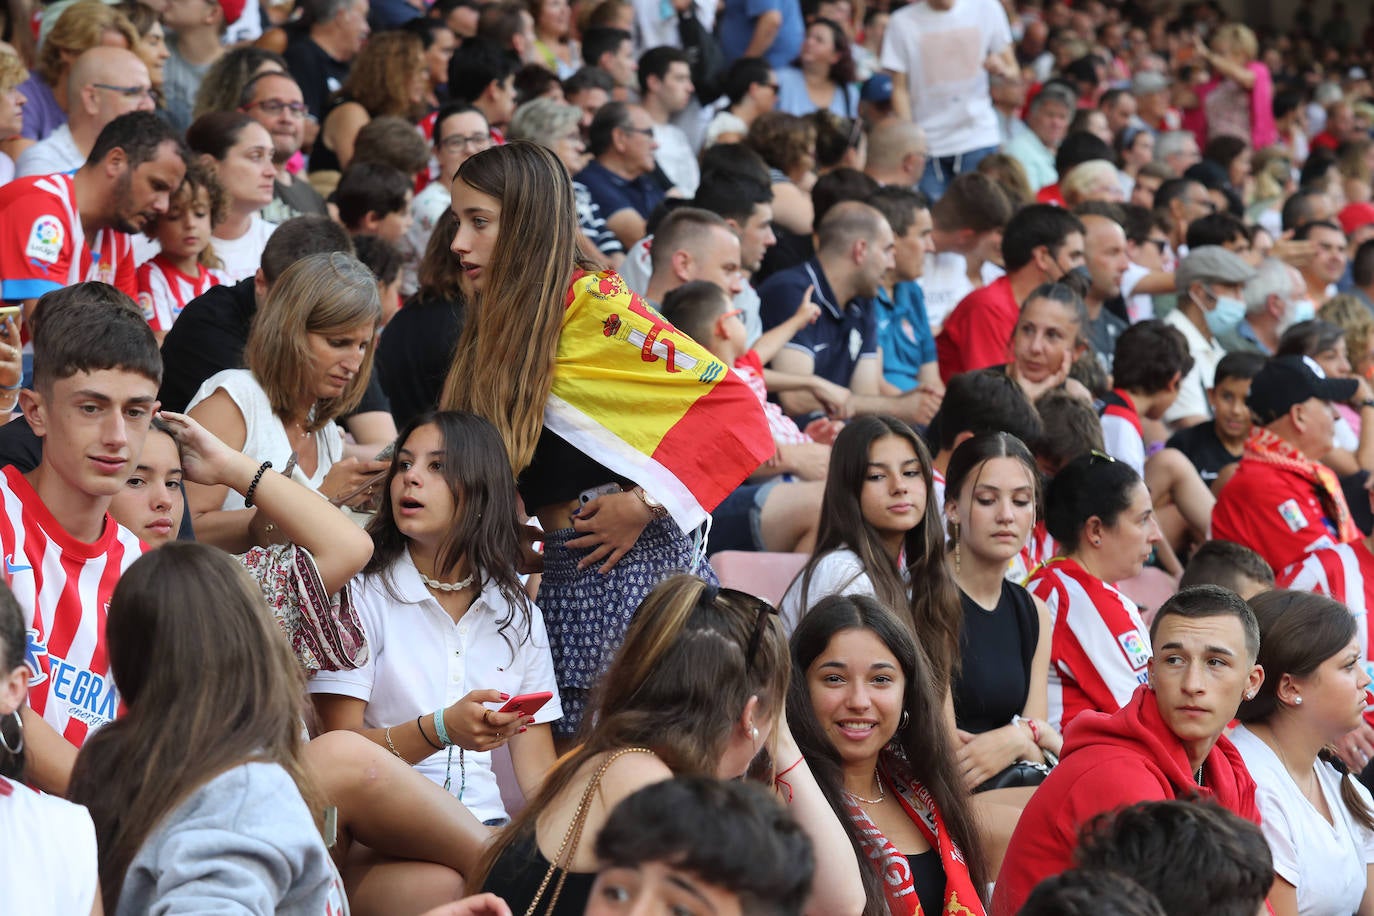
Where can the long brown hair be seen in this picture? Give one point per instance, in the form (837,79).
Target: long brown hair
(678,685)
(320,294)
(924,741)
(486,528)
(932,610)
(503,368)
(1298,632)
(380,77)
(210,684)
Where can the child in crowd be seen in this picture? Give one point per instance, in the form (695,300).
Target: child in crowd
(779,507)
(451,631)
(96,373)
(676,845)
(1150,363)
(1230,565)
(374,200)
(187,265)
(1212,447)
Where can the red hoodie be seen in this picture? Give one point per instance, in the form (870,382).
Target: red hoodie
(1109,761)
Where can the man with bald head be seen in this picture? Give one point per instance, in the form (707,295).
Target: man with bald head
(693,244)
(104,83)
(855,250)
(1104,254)
(896,154)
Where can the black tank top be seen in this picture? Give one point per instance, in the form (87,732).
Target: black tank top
(519,870)
(996,649)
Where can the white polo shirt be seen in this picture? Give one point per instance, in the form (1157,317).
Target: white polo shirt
(1192,392)
(419,660)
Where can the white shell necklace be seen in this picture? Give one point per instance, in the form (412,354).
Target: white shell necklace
(447,586)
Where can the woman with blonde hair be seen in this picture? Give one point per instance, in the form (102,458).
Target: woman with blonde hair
(1096,179)
(79,28)
(389,77)
(1239,100)
(12,101)
(1350,315)
(551,354)
(309,355)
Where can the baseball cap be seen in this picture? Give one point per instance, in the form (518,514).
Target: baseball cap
(1288,380)
(1212,264)
(1147,82)
(1355,216)
(877,88)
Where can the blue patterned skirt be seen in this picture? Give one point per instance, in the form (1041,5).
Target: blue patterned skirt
(587,613)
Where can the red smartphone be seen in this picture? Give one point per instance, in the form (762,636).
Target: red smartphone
(527,704)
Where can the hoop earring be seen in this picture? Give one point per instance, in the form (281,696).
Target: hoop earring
(19,730)
(901,723)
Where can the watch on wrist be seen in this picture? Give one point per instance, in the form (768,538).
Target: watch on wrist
(656,507)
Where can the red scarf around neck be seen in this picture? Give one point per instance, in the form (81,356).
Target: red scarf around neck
(1266,447)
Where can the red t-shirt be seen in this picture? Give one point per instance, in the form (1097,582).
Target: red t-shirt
(977,334)
(1275,512)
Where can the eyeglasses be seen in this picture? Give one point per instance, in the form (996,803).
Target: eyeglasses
(1205,202)
(277,106)
(457,142)
(132,92)
(645,131)
(733,313)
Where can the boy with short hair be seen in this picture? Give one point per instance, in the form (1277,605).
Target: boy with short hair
(374,200)
(1230,565)
(781,511)
(96,375)
(1212,447)
(693,839)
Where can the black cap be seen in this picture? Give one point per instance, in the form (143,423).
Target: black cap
(1288,380)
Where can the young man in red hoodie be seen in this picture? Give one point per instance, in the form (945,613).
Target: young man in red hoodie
(1166,743)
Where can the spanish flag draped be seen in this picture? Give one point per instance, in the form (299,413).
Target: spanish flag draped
(650,403)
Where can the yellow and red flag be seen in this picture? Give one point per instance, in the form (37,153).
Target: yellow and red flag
(650,403)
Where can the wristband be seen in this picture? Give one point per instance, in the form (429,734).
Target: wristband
(252,487)
(437,747)
(440,730)
(11,387)
(1030,724)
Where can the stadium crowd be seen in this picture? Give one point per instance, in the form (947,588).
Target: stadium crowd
(785,457)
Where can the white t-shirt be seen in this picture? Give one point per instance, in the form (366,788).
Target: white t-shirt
(1326,862)
(419,660)
(942,55)
(49,865)
(56,152)
(243,256)
(677,158)
(1141,307)
(839,572)
(266,437)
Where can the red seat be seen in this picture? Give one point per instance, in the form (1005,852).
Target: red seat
(762,574)
(1149,590)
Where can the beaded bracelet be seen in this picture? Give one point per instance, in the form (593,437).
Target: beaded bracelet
(252,487)
(437,747)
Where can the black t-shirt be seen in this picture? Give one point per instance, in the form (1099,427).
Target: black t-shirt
(559,472)
(1204,449)
(209,336)
(318,74)
(996,648)
(415,353)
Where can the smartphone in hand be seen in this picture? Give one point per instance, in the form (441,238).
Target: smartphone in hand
(527,704)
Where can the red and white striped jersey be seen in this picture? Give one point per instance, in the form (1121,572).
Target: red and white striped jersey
(164,290)
(1040,549)
(1099,648)
(1344,573)
(63,587)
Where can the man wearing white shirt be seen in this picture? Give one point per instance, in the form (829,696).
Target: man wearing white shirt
(1210,283)
(665,88)
(939,54)
(104,83)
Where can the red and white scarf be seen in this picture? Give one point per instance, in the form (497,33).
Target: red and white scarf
(899,889)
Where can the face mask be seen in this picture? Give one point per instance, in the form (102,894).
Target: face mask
(1302,310)
(1226,315)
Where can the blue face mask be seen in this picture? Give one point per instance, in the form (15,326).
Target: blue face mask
(1302,310)
(1225,315)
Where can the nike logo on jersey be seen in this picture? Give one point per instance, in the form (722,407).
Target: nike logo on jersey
(11,567)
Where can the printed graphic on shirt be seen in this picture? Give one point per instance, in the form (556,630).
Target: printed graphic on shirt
(1291,513)
(45,239)
(1137,653)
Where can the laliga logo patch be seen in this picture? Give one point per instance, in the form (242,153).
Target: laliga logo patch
(45,239)
(1136,651)
(1291,513)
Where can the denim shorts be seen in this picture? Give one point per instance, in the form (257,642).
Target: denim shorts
(737,523)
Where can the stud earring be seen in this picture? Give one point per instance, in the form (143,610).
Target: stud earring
(754,734)
(1249,694)
(1297,701)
